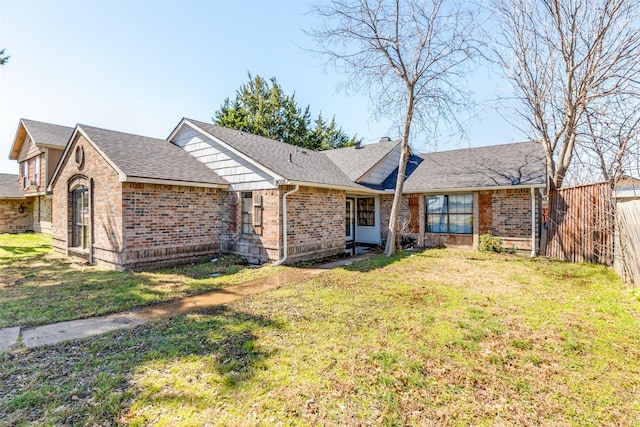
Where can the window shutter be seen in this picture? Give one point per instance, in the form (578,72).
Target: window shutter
(414,221)
(233,214)
(257,213)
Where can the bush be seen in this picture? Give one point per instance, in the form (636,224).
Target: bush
(491,243)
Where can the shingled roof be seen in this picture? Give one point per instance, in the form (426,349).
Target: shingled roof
(10,187)
(141,158)
(44,134)
(507,165)
(48,133)
(286,160)
(358,160)
(144,157)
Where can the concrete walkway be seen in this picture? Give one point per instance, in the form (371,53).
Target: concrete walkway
(81,328)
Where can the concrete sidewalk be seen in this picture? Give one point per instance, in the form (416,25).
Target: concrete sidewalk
(81,328)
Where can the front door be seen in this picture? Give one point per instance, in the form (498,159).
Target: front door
(350,220)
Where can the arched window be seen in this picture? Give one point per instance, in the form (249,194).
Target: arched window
(80,236)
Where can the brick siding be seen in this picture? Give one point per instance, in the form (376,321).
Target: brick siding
(42,214)
(316,223)
(105,204)
(506,213)
(12,221)
(168,224)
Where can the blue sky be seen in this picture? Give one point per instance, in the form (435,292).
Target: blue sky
(141,66)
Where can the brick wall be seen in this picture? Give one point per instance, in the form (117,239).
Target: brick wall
(316,223)
(12,221)
(42,214)
(511,217)
(105,204)
(167,224)
(263,244)
(506,213)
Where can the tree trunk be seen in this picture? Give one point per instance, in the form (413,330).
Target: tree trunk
(392,234)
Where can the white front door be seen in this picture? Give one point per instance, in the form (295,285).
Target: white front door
(350,220)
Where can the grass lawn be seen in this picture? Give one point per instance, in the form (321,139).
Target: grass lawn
(431,338)
(38,286)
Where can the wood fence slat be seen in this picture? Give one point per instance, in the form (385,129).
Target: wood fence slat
(580,224)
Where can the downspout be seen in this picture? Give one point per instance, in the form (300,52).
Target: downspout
(91,220)
(533,222)
(284,227)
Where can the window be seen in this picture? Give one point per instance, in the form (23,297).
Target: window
(366,212)
(37,171)
(25,174)
(450,214)
(80,237)
(247,213)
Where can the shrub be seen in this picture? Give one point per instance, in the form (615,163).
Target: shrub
(491,243)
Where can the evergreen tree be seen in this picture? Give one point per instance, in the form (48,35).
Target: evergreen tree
(3,59)
(262,108)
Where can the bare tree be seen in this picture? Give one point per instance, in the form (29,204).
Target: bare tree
(613,138)
(410,58)
(562,57)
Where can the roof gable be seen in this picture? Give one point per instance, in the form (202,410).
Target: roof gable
(41,133)
(278,159)
(519,164)
(358,161)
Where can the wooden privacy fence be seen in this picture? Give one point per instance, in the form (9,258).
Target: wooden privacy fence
(580,226)
(627,261)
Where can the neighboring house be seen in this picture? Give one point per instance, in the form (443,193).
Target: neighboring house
(123,200)
(37,147)
(15,208)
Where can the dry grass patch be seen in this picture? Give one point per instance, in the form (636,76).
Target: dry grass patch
(437,338)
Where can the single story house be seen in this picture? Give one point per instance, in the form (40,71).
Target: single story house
(123,200)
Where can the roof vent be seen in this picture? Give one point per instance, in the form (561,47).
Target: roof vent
(385,138)
(290,157)
(358,145)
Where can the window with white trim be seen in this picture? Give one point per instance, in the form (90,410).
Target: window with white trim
(25,174)
(37,171)
(366,212)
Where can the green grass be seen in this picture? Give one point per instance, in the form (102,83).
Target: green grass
(431,338)
(38,286)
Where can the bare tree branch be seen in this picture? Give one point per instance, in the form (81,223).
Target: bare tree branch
(561,57)
(410,56)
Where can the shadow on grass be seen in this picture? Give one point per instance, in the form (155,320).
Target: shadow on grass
(26,250)
(95,380)
(378,261)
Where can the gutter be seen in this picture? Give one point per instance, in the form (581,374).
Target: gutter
(284,226)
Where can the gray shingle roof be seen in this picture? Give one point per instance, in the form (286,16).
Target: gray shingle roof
(289,161)
(10,187)
(144,157)
(47,133)
(521,164)
(356,162)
